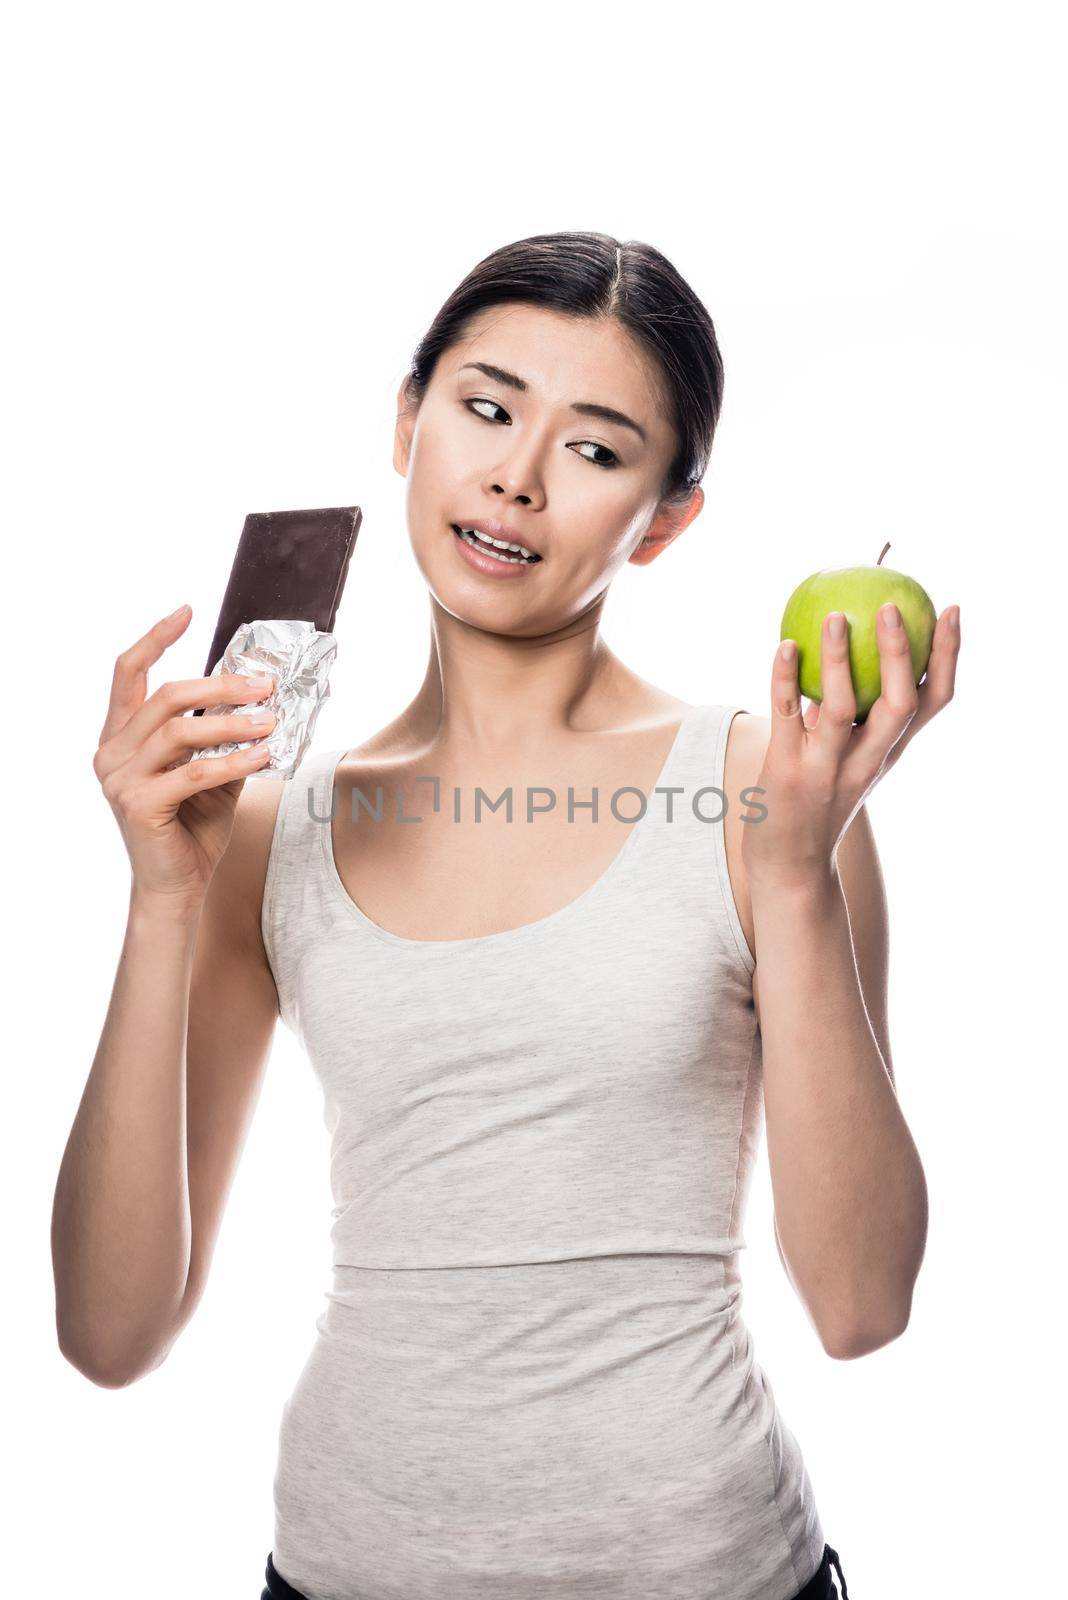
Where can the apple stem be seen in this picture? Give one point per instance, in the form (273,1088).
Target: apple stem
(882,553)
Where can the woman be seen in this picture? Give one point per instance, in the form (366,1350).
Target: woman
(543,1048)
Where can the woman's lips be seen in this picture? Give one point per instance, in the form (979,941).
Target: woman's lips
(488,564)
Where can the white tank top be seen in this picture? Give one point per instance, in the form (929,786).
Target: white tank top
(532,1379)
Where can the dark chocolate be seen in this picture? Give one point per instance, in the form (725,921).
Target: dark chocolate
(289,565)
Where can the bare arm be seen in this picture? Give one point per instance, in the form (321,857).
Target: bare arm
(164,1116)
(120,1218)
(850,1192)
(188,1027)
(827,974)
(862,888)
(865,894)
(854,1267)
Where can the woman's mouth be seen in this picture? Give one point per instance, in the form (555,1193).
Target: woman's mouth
(485,548)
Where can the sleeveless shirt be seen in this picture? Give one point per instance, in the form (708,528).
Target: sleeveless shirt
(532,1379)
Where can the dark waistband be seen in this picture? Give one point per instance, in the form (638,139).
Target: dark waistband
(277,1587)
(821,1585)
(818,1587)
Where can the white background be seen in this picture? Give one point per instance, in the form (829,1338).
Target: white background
(228,227)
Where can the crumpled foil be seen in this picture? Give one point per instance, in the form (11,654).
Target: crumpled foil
(299,659)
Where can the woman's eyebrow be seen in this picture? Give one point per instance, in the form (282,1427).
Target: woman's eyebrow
(585,407)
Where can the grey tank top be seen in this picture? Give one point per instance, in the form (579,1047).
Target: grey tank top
(532,1379)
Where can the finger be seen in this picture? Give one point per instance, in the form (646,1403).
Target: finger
(168,790)
(174,700)
(899,702)
(936,690)
(838,703)
(787,730)
(812,715)
(174,743)
(897,680)
(129,682)
(940,678)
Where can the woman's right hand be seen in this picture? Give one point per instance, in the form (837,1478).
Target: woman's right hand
(175,815)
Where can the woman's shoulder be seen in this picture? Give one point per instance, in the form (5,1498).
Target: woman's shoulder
(243,869)
(750,734)
(743,759)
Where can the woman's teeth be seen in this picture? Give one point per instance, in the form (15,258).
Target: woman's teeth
(498,549)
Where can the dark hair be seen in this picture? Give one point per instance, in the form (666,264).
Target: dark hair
(594,275)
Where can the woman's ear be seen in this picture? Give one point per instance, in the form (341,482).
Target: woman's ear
(407,412)
(666,527)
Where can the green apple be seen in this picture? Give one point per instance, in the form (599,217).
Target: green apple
(858,592)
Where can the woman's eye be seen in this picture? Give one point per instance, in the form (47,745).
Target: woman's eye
(614,462)
(492,403)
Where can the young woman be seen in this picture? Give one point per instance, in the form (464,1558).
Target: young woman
(544,1052)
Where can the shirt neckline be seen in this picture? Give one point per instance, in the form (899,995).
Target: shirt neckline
(325,787)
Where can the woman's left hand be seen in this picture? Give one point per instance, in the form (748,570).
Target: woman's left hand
(819,767)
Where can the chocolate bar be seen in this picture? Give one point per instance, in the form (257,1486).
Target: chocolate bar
(289,565)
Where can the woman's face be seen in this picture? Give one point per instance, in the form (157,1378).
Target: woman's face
(581,490)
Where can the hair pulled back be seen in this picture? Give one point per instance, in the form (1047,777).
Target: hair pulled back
(594,275)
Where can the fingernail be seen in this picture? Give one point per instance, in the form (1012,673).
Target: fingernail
(789,650)
(176,614)
(260,682)
(837,626)
(891,616)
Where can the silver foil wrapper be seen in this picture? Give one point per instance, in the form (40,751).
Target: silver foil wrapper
(299,659)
